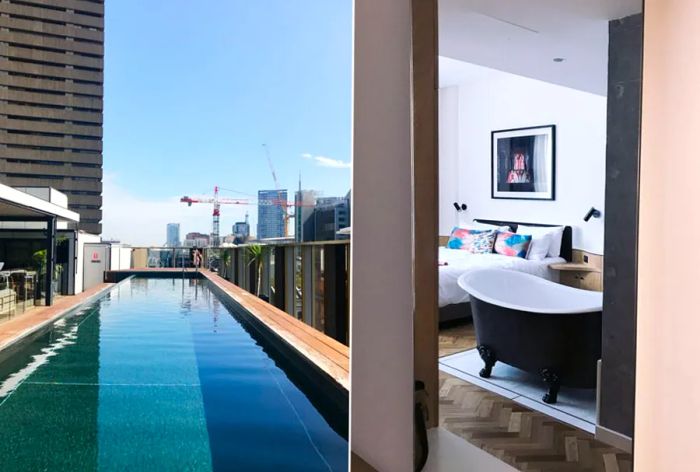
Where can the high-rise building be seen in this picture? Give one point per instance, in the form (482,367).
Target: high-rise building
(304,201)
(241,231)
(331,215)
(51,77)
(173,235)
(272,209)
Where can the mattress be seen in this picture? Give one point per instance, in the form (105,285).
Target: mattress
(460,261)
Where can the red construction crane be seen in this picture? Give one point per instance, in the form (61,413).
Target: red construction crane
(217,202)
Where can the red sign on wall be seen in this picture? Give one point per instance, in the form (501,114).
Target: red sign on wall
(95,256)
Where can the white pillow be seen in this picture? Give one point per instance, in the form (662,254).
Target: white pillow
(554,235)
(539,246)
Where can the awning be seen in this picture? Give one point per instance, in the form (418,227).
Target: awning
(16,205)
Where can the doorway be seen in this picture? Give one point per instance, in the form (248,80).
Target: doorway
(507,73)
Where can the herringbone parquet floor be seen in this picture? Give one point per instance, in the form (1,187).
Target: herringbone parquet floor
(527,440)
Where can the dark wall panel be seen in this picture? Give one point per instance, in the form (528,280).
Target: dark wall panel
(621,222)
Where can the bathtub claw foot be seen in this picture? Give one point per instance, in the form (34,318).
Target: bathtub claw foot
(489,358)
(552,380)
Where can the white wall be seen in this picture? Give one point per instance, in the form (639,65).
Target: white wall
(448,103)
(381,286)
(497,100)
(82,239)
(120,257)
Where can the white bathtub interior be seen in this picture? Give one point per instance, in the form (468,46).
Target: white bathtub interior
(525,292)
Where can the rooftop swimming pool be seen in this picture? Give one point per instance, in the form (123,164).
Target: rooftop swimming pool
(160,375)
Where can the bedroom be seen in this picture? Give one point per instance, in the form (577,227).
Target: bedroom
(538,151)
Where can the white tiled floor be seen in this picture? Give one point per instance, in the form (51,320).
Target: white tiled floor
(450,453)
(576,407)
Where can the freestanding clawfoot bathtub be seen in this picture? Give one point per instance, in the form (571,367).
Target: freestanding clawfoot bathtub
(536,325)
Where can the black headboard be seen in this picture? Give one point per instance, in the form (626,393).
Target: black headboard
(567,249)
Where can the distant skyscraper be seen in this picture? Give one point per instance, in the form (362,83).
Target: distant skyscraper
(304,201)
(271,212)
(173,235)
(241,231)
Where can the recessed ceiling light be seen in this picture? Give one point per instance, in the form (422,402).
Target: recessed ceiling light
(558,59)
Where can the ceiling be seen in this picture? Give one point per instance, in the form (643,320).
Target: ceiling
(523,37)
(454,72)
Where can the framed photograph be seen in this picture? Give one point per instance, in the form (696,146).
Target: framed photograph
(523,163)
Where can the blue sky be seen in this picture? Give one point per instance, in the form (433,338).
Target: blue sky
(193,88)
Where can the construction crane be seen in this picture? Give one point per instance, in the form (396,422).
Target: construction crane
(217,202)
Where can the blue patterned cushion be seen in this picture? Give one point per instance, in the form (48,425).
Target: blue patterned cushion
(472,240)
(511,244)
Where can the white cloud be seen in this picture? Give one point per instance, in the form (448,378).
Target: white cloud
(323,161)
(142,221)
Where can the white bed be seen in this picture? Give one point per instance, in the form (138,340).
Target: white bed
(460,261)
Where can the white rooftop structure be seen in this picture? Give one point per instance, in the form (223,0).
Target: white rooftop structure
(16,204)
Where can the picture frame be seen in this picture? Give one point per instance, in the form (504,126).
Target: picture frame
(523,163)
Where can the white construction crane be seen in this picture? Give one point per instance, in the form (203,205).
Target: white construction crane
(282,203)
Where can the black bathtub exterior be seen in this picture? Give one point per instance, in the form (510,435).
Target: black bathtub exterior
(563,348)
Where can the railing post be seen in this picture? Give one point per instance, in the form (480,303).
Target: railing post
(242,277)
(234,264)
(307,285)
(280,272)
(335,292)
(290,281)
(264,276)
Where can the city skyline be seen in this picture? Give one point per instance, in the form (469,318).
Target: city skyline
(313,200)
(214,134)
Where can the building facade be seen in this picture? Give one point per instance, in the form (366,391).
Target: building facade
(241,231)
(51,78)
(331,215)
(272,209)
(304,202)
(173,235)
(196,240)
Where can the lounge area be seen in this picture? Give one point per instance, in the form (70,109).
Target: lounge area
(35,249)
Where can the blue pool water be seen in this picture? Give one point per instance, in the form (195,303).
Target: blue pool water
(159,375)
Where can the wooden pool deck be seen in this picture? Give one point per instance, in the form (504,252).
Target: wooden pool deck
(20,326)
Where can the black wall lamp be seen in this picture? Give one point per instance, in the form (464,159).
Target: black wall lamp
(459,207)
(592,213)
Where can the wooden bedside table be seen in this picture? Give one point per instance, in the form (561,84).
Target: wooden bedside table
(580,274)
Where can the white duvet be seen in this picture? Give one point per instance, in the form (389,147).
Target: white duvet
(460,261)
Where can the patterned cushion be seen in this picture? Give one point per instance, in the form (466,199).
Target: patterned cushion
(511,244)
(472,240)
